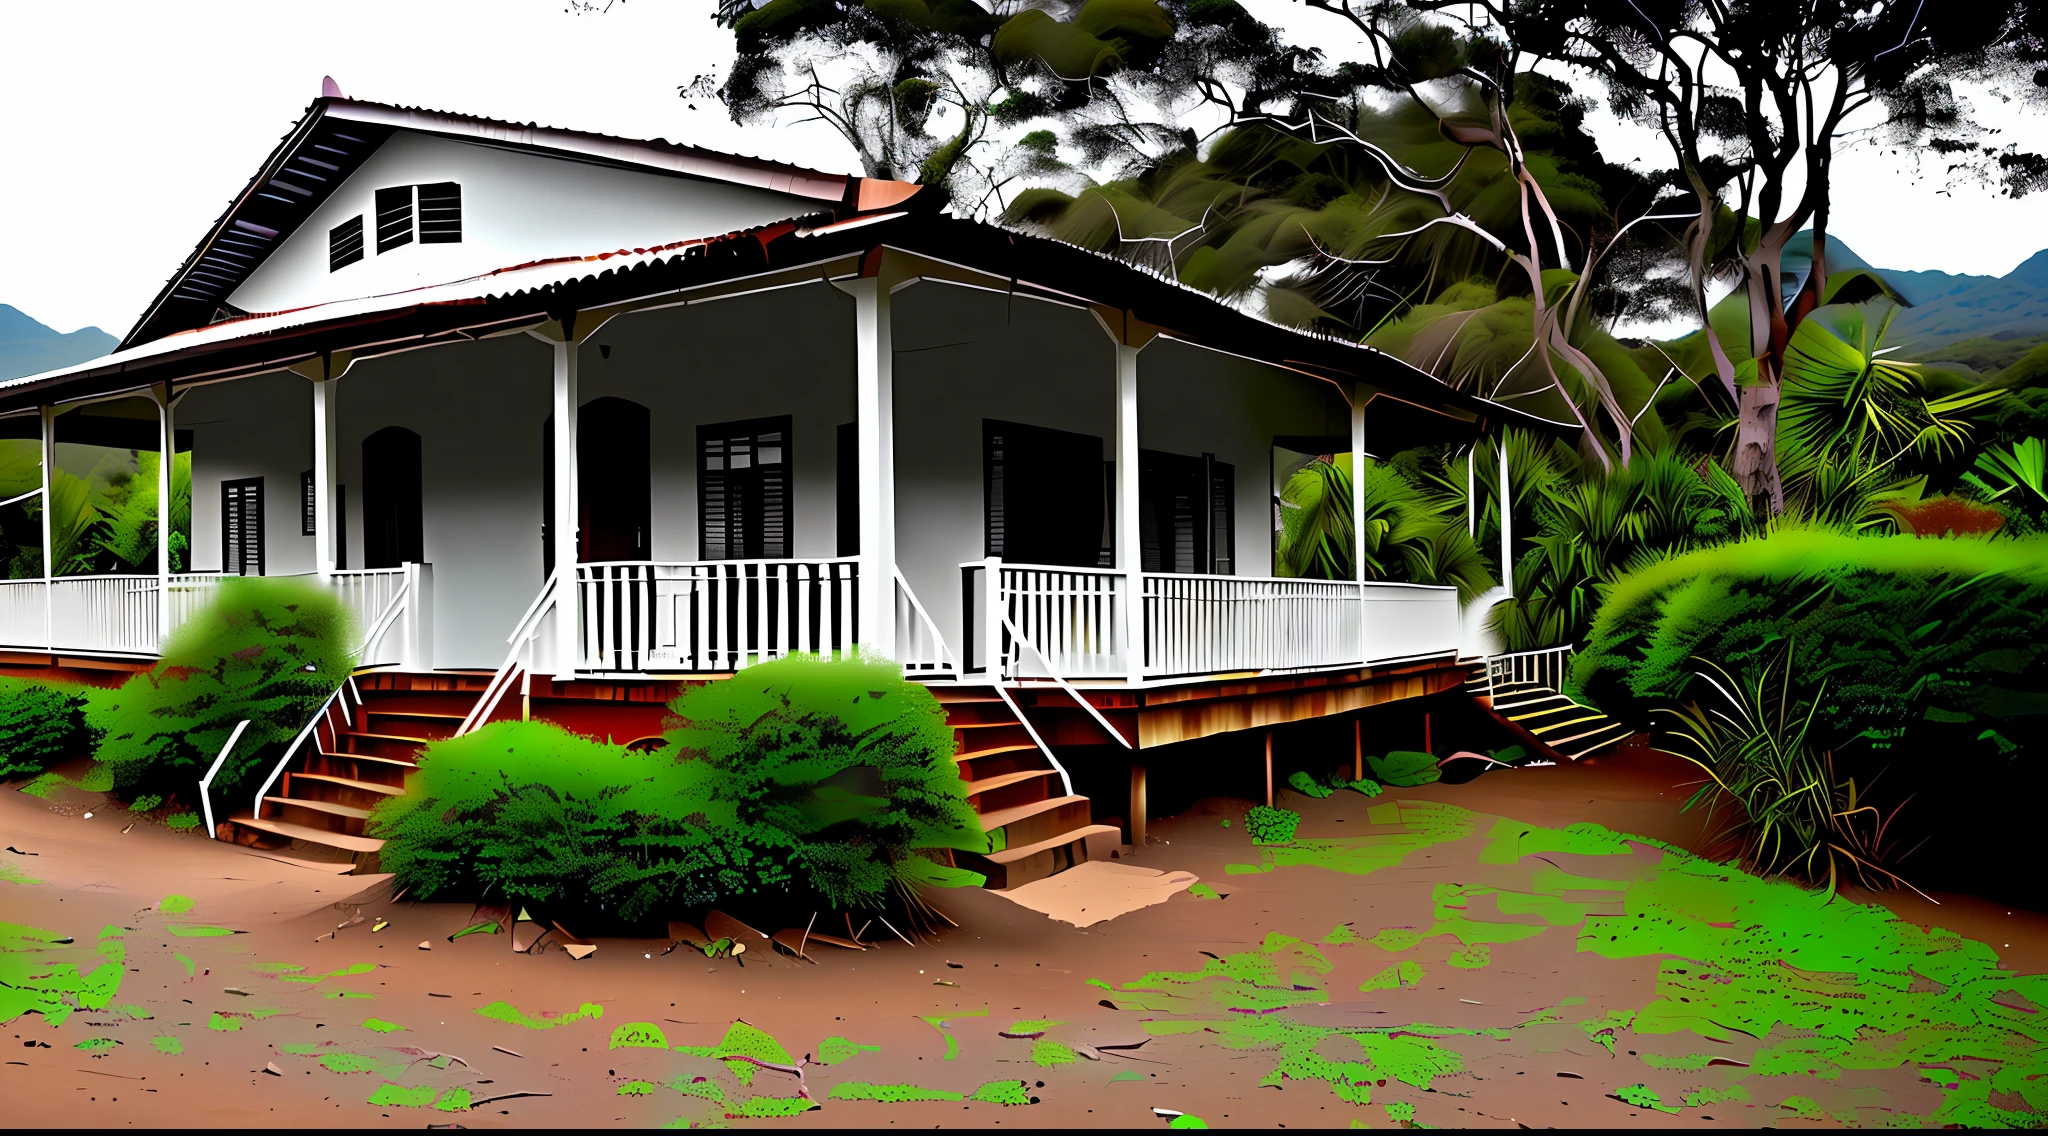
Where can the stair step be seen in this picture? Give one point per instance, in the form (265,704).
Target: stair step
(989,784)
(1546,728)
(991,752)
(330,807)
(352,783)
(1615,728)
(341,840)
(1000,818)
(402,762)
(1012,855)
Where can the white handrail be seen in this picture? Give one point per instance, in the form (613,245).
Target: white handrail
(946,655)
(384,620)
(1094,713)
(206,782)
(521,639)
(340,692)
(1066,782)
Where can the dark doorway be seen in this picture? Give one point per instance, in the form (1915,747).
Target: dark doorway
(1042,493)
(1185,513)
(614,483)
(241,527)
(743,490)
(394,528)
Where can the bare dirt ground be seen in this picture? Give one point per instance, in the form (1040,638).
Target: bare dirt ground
(1413,958)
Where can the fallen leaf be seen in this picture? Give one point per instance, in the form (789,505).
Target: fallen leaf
(425,945)
(271,1068)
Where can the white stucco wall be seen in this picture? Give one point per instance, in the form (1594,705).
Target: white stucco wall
(478,409)
(516,208)
(257,427)
(789,351)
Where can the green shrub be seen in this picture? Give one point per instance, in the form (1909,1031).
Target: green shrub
(1931,646)
(41,724)
(268,651)
(845,768)
(1268,825)
(826,779)
(1404,768)
(1302,783)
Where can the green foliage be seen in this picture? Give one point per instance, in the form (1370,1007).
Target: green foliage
(1783,802)
(1302,783)
(1403,768)
(1268,825)
(41,724)
(183,822)
(828,779)
(268,651)
(1410,535)
(1924,646)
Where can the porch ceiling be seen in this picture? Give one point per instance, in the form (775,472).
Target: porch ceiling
(786,251)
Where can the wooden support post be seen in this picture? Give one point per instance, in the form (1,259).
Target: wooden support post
(1359,395)
(1358,749)
(49,550)
(874,415)
(1426,746)
(1269,769)
(327,520)
(563,525)
(1138,806)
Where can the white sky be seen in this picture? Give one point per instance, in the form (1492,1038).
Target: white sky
(130,123)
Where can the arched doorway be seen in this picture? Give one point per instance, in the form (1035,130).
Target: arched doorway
(615,483)
(394,528)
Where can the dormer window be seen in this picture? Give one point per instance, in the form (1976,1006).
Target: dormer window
(345,244)
(432,212)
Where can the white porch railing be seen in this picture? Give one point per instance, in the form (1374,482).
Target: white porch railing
(391,608)
(1194,625)
(1224,624)
(714,616)
(1544,667)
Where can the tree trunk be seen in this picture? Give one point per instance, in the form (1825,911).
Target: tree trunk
(1756,404)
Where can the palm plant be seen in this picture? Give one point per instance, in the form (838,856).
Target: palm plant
(1409,535)
(1786,806)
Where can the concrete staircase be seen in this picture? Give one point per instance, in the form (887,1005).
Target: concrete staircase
(343,771)
(1036,829)
(1565,729)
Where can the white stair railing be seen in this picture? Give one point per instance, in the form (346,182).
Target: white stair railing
(714,616)
(523,637)
(336,703)
(1544,667)
(919,646)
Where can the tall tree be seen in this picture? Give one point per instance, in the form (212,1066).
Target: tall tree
(1752,99)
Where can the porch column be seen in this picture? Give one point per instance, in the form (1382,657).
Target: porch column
(1359,395)
(563,525)
(874,403)
(49,414)
(167,455)
(1507,524)
(326,544)
(1129,533)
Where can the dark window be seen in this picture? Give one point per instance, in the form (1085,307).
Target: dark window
(847,484)
(394,217)
(394,532)
(441,213)
(743,498)
(241,527)
(1042,494)
(345,244)
(1185,513)
(308,505)
(614,479)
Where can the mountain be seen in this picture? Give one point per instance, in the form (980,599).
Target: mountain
(1985,322)
(28,348)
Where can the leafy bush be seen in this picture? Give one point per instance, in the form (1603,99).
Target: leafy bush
(1404,768)
(1783,802)
(1307,786)
(1268,825)
(1936,644)
(828,779)
(41,723)
(266,650)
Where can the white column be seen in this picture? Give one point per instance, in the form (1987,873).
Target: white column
(326,525)
(1129,533)
(167,455)
(1358,398)
(874,413)
(1507,536)
(49,552)
(564,524)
